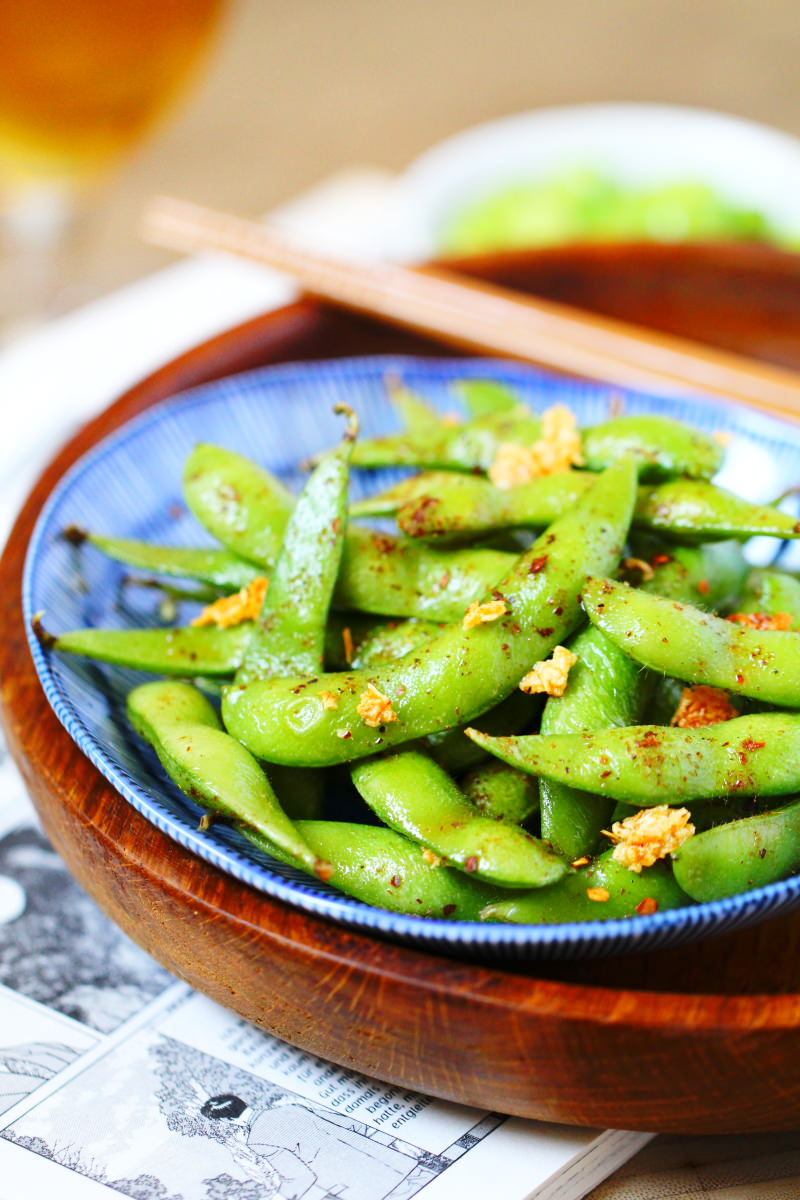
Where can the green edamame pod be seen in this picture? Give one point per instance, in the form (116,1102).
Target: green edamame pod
(568,900)
(770,591)
(427,483)
(210,766)
(414,796)
(482,396)
(243,506)
(466,505)
(753,755)
(605,689)
(472,446)
(687,509)
(289,633)
(680,640)
(693,509)
(418,417)
(502,792)
(709,576)
(221,569)
(661,445)
(388,640)
(211,651)
(741,855)
(386,870)
(185,651)
(458,674)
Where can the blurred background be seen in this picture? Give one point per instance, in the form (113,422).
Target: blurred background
(294,92)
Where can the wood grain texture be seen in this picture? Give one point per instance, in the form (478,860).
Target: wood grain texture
(701,1039)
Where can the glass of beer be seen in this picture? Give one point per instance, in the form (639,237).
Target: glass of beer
(83,81)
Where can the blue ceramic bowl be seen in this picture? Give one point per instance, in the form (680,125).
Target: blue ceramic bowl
(129,485)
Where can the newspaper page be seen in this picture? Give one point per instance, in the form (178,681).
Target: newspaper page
(116,1078)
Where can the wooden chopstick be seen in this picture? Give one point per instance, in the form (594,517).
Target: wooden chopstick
(484,317)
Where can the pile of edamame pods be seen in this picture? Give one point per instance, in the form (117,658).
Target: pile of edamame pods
(388,666)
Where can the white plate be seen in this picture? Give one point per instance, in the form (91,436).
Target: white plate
(637,144)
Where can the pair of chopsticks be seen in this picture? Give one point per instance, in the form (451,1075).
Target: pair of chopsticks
(483,317)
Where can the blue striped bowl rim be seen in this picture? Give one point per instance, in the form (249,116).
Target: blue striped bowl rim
(129,485)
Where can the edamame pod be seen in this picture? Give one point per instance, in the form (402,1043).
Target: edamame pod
(288,636)
(472,446)
(385,641)
(185,651)
(221,569)
(693,509)
(682,641)
(770,591)
(458,674)
(414,796)
(386,870)
(419,418)
(709,576)
(482,396)
(502,792)
(606,689)
(569,899)
(741,855)
(210,651)
(210,766)
(753,755)
(686,509)
(661,445)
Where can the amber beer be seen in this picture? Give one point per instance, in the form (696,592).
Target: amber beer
(83,80)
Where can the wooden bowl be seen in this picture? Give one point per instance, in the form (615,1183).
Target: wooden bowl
(701,1039)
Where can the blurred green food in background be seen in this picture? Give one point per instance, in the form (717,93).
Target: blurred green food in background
(579,204)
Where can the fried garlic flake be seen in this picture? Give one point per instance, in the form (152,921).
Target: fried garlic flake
(478,614)
(550,676)
(558,449)
(329,700)
(703,705)
(650,834)
(374,708)
(780,620)
(244,605)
